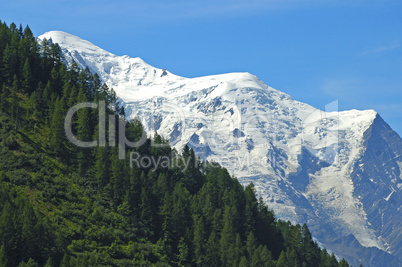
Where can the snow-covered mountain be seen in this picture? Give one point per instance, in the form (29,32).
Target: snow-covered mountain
(339,172)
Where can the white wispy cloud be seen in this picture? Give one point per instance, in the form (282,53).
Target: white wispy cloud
(383,48)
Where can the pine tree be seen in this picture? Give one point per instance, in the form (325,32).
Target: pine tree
(83,130)
(65,262)
(199,240)
(166,229)
(90,87)
(266,256)
(10,62)
(183,256)
(181,212)
(161,186)
(104,94)
(331,261)
(282,261)
(268,233)
(9,236)
(228,237)
(64,77)
(46,65)
(29,263)
(27,82)
(14,101)
(38,103)
(4,99)
(323,256)
(243,262)
(83,134)
(146,213)
(55,55)
(31,110)
(309,248)
(261,257)
(251,245)
(73,97)
(292,258)
(101,167)
(73,73)
(13,28)
(20,32)
(55,82)
(118,179)
(49,263)
(192,177)
(250,208)
(97,84)
(28,237)
(213,250)
(3,257)
(186,151)
(343,263)
(29,48)
(57,135)
(134,193)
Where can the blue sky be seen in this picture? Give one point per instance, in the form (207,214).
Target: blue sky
(315,50)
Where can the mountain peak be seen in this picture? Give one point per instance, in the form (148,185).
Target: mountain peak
(73,43)
(59,34)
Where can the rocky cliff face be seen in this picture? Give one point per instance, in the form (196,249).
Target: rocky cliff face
(376,176)
(339,172)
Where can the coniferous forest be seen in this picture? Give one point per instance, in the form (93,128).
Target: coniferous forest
(61,205)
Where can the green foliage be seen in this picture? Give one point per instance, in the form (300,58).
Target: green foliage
(3,257)
(62,205)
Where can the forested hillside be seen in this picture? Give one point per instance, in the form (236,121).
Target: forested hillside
(62,205)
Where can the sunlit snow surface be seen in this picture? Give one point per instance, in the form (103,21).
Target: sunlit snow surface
(299,158)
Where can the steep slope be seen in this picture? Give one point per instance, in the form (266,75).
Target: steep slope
(340,172)
(377,178)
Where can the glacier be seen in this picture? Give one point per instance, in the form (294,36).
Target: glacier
(338,171)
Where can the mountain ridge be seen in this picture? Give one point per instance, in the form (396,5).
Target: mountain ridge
(302,148)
